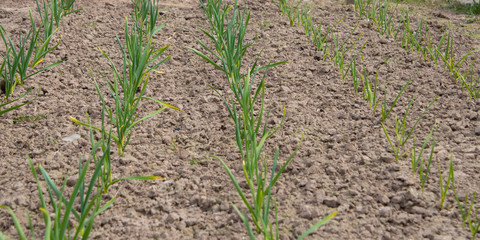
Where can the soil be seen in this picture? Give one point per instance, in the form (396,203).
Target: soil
(344,162)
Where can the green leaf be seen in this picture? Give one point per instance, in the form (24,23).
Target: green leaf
(19,105)
(317,225)
(20,232)
(247,224)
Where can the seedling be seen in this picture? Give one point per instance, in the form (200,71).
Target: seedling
(352,67)
(86,192)
(61,8)
(307,23)
(433,51)
(341,50)
(3,106)
(89,199)
(473,220)
(145,13)
(470,83)
(444,188)
(246,108)
(411,39)
(462,208)
(418,39)
(386,60)
(362,7)
(314,34)
(139,58)
(333,42)
(304,15)
(319,40)
(369,87)
(18,59)
(384,107)
(417,160)
(453,66)
(469,213)
(401,136)
(355,74)
(385,21)
(289,9)
(448,57)
(42,46)
(67,6)
(466,210)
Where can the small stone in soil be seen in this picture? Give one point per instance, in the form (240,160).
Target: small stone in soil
(71,181)
(332,202)
(477,131)
(385,212)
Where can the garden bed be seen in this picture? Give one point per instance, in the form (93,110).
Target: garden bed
(344,164)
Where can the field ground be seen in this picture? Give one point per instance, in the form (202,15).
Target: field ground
(344,163)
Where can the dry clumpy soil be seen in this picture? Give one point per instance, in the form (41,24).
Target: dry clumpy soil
(344,162)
